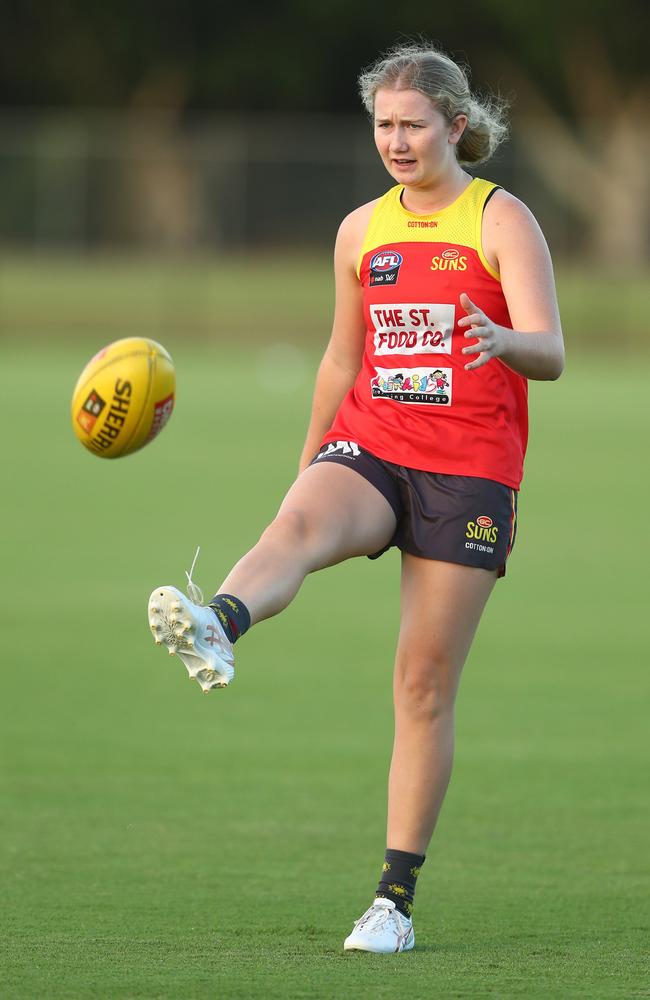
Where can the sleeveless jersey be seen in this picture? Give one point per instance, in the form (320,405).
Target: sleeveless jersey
(412,402)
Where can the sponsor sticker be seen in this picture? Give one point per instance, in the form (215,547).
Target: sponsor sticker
(90,411)
(413,327)
(429,386)
(384,267)
(161,414)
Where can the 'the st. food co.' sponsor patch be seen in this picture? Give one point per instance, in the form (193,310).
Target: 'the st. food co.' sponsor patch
(384,267)
(413,327)
(429,386)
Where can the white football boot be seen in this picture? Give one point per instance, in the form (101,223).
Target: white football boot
(382,929)
(194,633)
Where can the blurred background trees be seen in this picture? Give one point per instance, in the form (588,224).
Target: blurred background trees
(179,125)
(293,54)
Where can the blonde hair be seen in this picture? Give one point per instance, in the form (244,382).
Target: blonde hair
(431,72)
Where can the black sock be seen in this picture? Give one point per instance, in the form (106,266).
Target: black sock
(233,615)
(398,879)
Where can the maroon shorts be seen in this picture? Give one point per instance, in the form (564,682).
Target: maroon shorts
(458,519)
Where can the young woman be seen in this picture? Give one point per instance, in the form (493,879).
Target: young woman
(445,306)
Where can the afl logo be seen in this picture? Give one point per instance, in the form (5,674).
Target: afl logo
(384,267)
(484,521)
(450,254)
(385,260)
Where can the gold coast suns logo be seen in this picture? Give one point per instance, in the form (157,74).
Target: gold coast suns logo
(449,260)
(483,529)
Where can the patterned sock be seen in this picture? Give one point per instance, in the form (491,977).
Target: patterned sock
(399,875)
(233,615)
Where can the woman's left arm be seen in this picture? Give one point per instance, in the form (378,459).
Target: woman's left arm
(514,244)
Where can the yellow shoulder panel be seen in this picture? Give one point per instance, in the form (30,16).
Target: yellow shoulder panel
(483,190)
(458,223)
(386,223)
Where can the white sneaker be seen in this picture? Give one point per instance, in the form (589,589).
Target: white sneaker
(381,929)
(195,634)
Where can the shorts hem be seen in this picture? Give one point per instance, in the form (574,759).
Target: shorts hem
(499,570)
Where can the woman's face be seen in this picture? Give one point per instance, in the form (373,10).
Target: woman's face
(416,143)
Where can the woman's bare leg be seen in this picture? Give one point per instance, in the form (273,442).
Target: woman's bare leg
(330,514)
(442,604)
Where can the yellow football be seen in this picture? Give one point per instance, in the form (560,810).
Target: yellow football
(123,397)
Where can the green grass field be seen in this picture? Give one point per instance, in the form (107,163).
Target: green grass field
(157,843)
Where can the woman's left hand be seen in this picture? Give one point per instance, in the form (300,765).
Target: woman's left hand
(491,339)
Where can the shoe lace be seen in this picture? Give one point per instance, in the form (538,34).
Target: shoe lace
(194,592)
(379,915)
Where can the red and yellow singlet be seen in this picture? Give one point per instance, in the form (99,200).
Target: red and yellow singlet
(412,402)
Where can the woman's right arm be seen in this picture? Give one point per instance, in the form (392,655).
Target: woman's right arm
(343,355)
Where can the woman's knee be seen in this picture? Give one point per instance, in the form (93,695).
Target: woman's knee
(425,685)
(297,530)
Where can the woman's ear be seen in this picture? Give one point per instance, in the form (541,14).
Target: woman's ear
(458,126)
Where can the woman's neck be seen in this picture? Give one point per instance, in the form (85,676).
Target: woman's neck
(437,195)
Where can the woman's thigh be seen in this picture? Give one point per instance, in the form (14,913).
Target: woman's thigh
(441,606)
(336,511)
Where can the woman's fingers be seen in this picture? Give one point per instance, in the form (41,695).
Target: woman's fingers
(478,363)
(474,319)
(475,316)
(474,348)
(481,331)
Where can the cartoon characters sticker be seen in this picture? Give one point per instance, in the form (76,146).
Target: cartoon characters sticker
(413,385)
